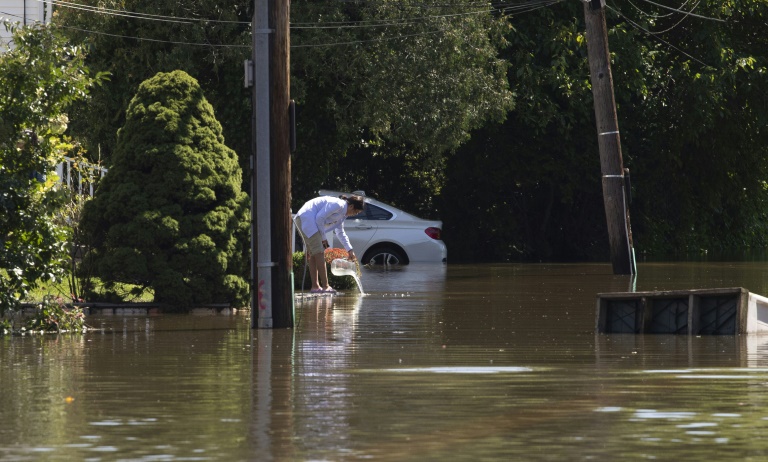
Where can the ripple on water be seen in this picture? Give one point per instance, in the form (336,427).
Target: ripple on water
(464,369)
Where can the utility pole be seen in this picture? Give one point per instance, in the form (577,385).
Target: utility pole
(609,142)
(282,223)
(261,245)
(271,260)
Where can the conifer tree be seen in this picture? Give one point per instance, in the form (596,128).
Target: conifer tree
(170,214)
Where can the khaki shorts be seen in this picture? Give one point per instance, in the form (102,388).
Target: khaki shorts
(313,243)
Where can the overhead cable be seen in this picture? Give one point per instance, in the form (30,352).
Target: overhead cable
(684,12)
(656,36)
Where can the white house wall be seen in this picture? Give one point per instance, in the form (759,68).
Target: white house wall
(22,12)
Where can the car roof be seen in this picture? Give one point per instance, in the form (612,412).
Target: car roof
(400,213)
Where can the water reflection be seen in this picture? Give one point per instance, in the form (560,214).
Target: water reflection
(437,362)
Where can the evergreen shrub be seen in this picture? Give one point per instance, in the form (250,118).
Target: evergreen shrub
(170,214)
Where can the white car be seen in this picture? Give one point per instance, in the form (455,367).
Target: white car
(385,235)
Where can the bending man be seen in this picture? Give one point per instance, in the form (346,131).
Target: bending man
(314,219)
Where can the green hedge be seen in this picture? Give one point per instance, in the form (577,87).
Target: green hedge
(337,282)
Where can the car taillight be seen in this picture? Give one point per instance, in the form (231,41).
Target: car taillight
(434,233)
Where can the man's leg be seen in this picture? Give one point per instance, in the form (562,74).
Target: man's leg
(314,270)
(322,271)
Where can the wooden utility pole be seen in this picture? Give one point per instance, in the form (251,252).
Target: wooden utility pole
(271,259)
(282,224)
(609,142)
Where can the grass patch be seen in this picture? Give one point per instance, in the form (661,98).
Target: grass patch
(47,288)
(113,293)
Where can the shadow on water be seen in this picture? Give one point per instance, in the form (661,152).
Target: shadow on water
(436,362)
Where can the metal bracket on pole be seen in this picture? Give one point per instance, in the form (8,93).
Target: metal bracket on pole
(248,68)
(292,125)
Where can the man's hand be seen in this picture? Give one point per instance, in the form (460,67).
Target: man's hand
(325,244)
(352,256)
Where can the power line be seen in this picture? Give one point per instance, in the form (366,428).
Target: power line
(504,7)
(540,4)
(10,14)
(414,5)
(153,40)
(686,16)
(377,23)
(125,14)
(528,6)
(684,12)
(654,35)
(380,39)
(654,16)
(174,42)
(137,15)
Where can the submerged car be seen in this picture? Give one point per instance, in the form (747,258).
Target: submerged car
(385,235)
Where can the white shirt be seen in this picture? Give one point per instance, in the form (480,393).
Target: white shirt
(323,214)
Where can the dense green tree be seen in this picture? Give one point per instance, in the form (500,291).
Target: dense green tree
(695,126)
(40,77)
(387,83)
(170,213)
(691,101)
(530,188)
(388,89)
(135,39)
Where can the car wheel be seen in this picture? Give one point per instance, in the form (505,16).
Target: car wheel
(385,256)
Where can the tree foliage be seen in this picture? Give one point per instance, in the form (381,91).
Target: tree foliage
(135,39)
(387,89)
(532,185)
(403,99)
(170,213)
(41,76)
(697,131)
(403,89)
(691,101)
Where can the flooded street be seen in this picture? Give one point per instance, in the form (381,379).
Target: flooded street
(456,362)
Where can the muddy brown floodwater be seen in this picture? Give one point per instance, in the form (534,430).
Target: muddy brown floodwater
(435,362)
